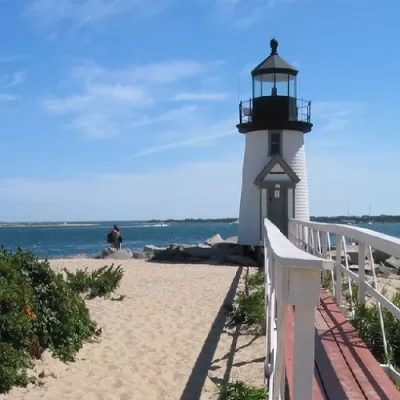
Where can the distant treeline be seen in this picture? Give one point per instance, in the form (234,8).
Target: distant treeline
(191,220)
(363,219)
(340,219)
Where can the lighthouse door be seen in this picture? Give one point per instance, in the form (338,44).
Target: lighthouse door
(277,208)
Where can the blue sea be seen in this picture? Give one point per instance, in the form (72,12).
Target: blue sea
(67,241)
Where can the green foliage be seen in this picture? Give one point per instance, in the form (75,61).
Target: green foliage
(13,367)
(100,282)
(249,307)
(38,311)
(240,391)
(367,322)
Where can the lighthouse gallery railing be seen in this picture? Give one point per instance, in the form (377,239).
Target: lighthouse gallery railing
(292,277)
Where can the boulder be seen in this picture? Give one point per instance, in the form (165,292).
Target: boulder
(122,254)
(380,256)
(141,255)
(106,252)
(393,263)
(226,248)
(233,239)
(241,260)
(214,240)
(199,252)
(149,248)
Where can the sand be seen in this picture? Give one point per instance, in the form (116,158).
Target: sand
(165,340)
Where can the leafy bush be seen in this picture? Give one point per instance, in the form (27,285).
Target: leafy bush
(38,311)
(367,322)
(249,307)
(100,282)
(240,391)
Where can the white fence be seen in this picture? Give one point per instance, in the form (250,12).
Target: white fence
(315,238)
(292,277)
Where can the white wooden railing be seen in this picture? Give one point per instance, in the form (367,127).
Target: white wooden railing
(316,239)
(292,276)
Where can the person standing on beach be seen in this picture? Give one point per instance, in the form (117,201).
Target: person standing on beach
(114,237)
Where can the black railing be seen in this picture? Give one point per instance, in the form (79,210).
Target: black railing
(275,108)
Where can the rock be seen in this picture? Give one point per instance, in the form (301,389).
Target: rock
(122,254)
(106,252)
(149,248)
(380,256)
(233,239)
(225,248)
(214,240)
(394,263)
(241,260)
(199,252)
(141,255)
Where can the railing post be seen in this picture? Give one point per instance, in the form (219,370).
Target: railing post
(361,273)
(267,283)
(305,286)
(338,270)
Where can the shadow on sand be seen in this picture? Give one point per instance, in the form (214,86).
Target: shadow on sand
(205,361)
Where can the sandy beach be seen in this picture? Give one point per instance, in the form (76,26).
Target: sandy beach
(165,340)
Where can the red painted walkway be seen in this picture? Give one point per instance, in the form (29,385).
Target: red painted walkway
(344,367)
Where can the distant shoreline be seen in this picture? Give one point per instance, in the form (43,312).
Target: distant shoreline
(33,225)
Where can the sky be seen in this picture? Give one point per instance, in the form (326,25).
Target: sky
(127,109)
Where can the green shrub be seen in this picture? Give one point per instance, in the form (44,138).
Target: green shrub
(240,391)
(100,282)
(13,367)
(367,322)
(250,308)
(38,311)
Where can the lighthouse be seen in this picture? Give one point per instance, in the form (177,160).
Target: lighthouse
(274,177)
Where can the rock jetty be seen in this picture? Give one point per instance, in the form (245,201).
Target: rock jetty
(214,250)
(385,264)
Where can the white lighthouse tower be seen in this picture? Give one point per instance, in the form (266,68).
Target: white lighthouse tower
(274,181)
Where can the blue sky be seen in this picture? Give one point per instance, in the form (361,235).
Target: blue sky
(126,109)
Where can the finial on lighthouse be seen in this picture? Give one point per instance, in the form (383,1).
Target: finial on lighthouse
(274,46)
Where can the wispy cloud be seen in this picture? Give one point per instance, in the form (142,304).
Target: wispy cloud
(108,100)
(14,57)
(336,115)
(196,137)
(183,114)
(85,12)
(190,96)
(5,97)
(242,13)
(7,81)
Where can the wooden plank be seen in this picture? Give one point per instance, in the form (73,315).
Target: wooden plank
(337,378)
(371,378)
(318,393)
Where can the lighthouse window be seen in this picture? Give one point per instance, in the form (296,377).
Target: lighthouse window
(275,143)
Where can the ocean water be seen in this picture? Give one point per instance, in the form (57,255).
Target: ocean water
(67,241)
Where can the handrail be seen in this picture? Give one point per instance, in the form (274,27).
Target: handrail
(288,254)
(379,241)
(303,233)
(292,277)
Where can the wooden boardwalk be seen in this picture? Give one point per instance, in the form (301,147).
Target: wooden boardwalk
(344,367)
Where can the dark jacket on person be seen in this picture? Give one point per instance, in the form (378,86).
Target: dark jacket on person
(114,238)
